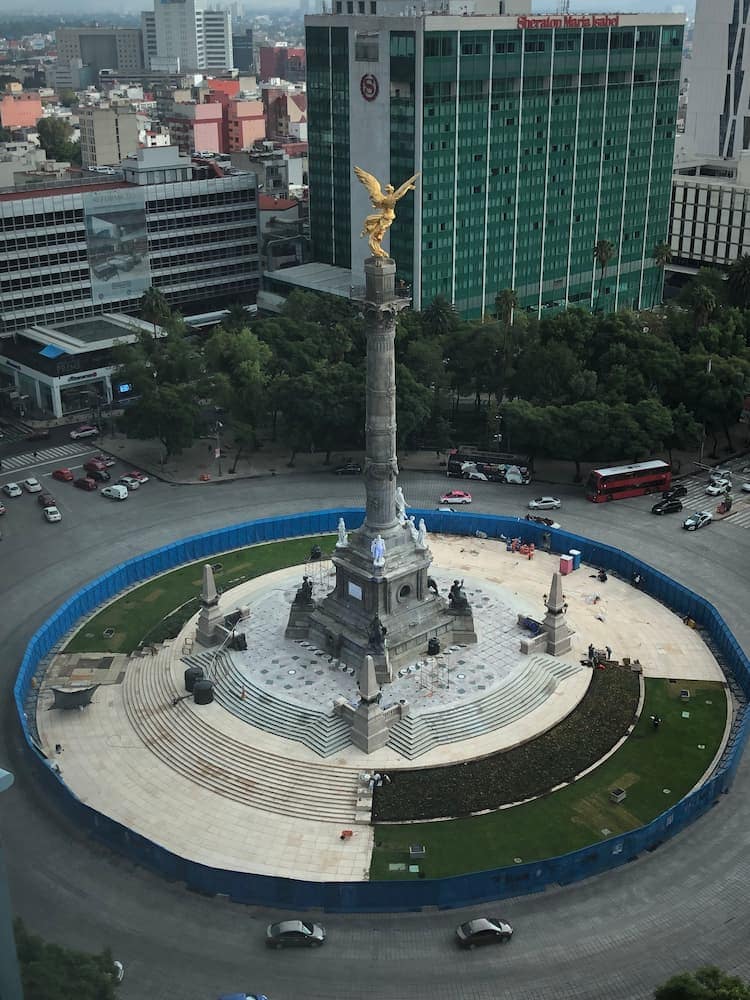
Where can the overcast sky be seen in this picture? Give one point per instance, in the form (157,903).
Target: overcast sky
(76,9)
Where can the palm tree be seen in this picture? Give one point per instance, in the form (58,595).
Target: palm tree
(154,307)
(662,256)
(738,281)
(506,302)
(704,304)
(604,251)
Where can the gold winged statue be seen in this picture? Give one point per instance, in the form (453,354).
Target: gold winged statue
(376,225)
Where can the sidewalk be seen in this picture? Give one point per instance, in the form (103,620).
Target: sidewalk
(197,465)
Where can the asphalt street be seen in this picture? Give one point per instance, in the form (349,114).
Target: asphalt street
(615,936)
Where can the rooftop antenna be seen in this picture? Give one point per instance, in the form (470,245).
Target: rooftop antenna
(563,7)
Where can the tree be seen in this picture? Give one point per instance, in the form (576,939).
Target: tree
(154,307)
(56,139)
(662,255)
(440,316)
(604,251)
(707,983)
(506,302)
(50,972)
(738,282)
(168,413)
(67,98)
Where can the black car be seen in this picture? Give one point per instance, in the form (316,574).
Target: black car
(41,434)
(101,475)
(349,469)
(678,490)
(670,505)
(483,930)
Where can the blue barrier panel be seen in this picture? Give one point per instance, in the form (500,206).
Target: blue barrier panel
(387,896)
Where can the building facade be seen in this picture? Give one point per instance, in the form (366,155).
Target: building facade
(243,51)
(84,249)
(718,111)
(282,62)
(534,137)
(108,134)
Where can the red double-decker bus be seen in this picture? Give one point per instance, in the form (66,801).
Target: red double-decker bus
(628,481)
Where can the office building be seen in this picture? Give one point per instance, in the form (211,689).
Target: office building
(718,111)
(184,35)
(108,134)
(79,250)
(243,52)
(98,49)
(534,137)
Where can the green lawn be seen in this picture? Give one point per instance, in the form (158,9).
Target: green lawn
(657,768)
(158,609)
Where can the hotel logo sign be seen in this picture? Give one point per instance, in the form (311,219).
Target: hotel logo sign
(369,87)
(569,21)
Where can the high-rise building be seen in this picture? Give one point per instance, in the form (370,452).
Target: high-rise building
(718,111)
(108,134)
(100,48)
(281,62)
(187,35)
(535,137)
(242,50)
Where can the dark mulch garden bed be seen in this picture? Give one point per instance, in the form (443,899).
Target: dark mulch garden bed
(600,720)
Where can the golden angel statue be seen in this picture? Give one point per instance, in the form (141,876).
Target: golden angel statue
(376,225)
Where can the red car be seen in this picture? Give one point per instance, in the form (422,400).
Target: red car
(94,465)
(46,500)
(85,483)
(3,508)
(140,476)
(64,475)
(105,460)
(456,496)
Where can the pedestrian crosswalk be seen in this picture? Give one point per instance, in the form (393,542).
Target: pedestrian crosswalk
(58,454)
(698,499)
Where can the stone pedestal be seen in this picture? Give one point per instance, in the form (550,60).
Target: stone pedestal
(210,628)
(558,632)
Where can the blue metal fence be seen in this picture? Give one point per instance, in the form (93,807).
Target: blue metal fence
(388,896)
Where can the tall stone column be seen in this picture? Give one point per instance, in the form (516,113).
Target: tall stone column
(381,464)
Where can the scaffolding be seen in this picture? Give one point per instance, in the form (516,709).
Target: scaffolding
(320,571)
(434,674)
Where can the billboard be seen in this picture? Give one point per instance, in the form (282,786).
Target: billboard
(117,243)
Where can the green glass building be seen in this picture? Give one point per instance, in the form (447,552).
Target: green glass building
(535,137)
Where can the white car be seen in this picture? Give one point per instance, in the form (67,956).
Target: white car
(84,431)
(115,492)
(52,514)
(698,520)
(545,503)
(118,971)
(129,481)
(32,485)
(717,487)
(455,496)
(12,490)
(746,487)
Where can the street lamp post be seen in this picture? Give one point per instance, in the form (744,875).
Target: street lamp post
(10,976)
(219,425)
(703,427)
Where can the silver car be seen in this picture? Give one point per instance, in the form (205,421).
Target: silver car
(483,930)
(295,934)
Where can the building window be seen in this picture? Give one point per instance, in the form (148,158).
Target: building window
(366,46)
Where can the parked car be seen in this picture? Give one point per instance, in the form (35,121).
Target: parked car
(100,475)
(118,971)
(140,476)
(295,934)
(94,465)
(84,431)
(3,508)
(720,473)
(85,483)
(538,519)
(12,490)
(698,520)
(669,506)
(243,996)
(483,930)
(63,475)
(348,469)
(46,500)
(475,474)
(107,460)
(32,485)
(456,496)
(676,490)
(132,484)
(52,514)
(745,487)
(445,509)
(717,487)
(545,503)
(115,492)
(41,434)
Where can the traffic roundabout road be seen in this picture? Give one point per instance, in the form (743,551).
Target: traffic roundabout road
(615,936)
